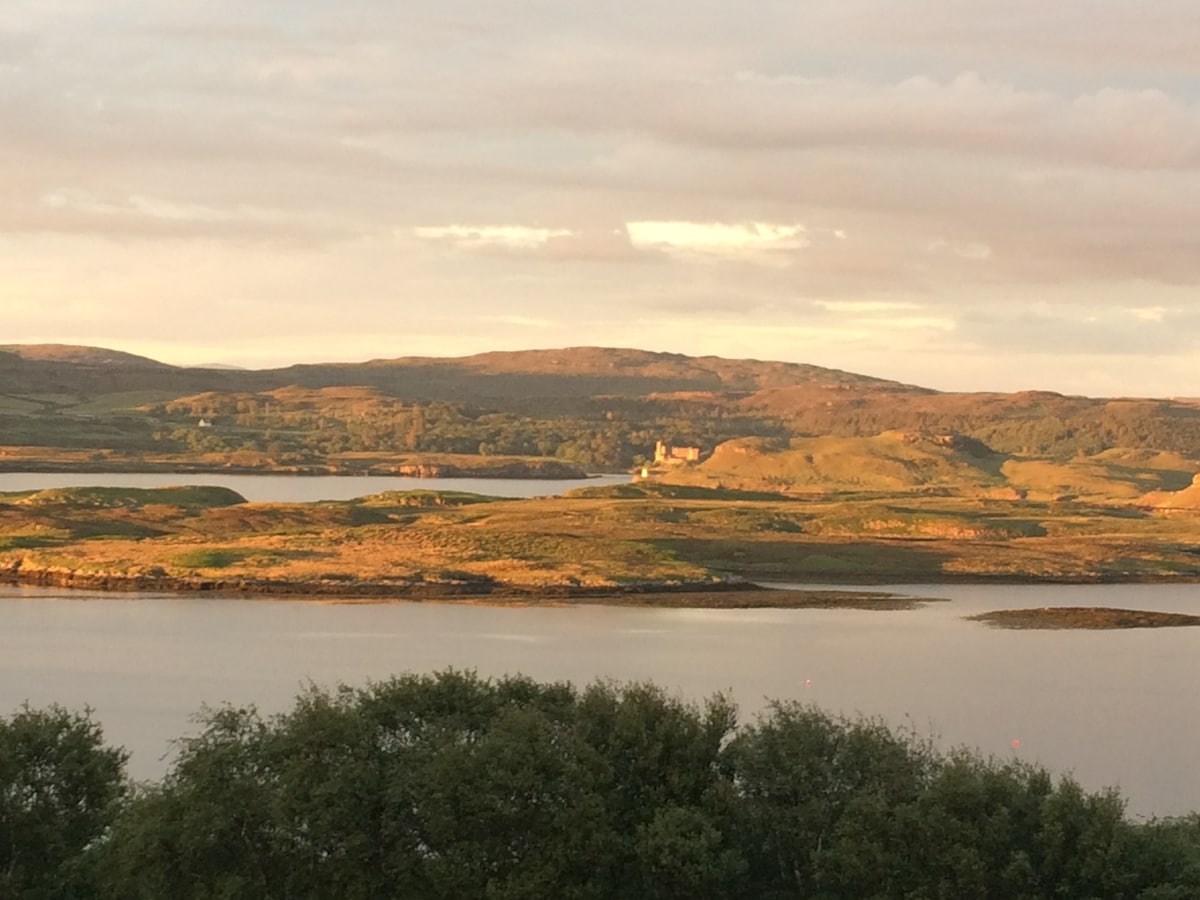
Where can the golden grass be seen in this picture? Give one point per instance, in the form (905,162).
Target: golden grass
(902,462)
(588,541)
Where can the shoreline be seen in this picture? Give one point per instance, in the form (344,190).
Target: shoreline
(432,471)
(706,594)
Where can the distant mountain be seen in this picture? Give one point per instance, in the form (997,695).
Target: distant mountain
(80,356)
(698,373)
(567,375)
(68,370)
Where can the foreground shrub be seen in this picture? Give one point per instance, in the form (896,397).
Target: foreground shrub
(59,792)
(452,786)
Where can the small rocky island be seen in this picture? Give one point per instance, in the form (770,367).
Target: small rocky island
(1089,617)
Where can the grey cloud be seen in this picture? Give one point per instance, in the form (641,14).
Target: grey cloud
(601,245)
(139,218)
(1136,129)
(16,47)
(1027,326)
(1091,35)
(1048,173)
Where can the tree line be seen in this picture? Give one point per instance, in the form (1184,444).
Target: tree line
(454,786)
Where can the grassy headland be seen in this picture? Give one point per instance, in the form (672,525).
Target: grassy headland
(635,539)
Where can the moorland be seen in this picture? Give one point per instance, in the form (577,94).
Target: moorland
(803,474)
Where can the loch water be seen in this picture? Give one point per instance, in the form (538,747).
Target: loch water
(305,488)
(1117,708)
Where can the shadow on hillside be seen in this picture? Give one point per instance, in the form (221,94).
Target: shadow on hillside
(812,560)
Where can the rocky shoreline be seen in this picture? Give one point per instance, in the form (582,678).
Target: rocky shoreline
(709,593)
(341,585)
(1083,617)
(729,592)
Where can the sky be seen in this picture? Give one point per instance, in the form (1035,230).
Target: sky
(961,194)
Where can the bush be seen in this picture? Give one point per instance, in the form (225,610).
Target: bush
(60,789)
(450,786)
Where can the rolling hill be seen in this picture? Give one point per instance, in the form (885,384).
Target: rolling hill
(758,424)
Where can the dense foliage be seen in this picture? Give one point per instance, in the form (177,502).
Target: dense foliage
(616,433)
(450,786)
(599,433)
(60,790)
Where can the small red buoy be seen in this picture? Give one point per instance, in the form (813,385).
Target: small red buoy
(1016,742)
(808,682)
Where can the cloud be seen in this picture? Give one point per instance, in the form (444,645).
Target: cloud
(484,235)
(1150,313)
(636,172)
(75,211)
(1103,36)
(748,241)
(864,306)
(1078,328)
(883,317)
(148,207)
(612,245)
(717,238)
(962,249)
(558,245)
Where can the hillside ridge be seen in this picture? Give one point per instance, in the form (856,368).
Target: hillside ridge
(600,408)
(80,355)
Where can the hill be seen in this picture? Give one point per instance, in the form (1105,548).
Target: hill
(75,355)
(938,463)
(604,409)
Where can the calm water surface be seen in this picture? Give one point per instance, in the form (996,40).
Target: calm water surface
(1119,708)
(307,488)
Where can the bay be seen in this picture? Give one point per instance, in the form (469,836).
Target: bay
(305,488)
(1117,708)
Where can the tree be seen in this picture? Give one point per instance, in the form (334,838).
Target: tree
(822,800)
(206,830)
(449,785)
(60,788)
